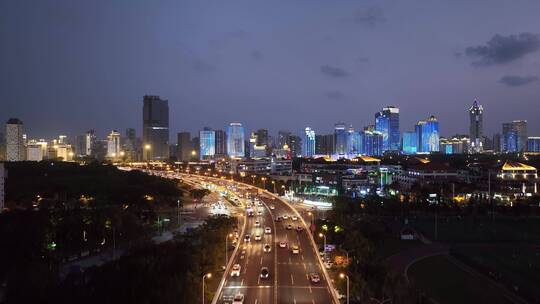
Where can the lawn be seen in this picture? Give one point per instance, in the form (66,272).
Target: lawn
(441,280)
(391,245)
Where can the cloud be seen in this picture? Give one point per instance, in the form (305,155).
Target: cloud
(503,49)
(334,95)
(516,81)
(257,55)
(334,71)
(370,16)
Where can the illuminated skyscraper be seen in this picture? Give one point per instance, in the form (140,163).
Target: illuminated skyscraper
(372,142)
(427,133)
(476,129)
(514,136)
(155,139)
(113,144)
(207,143)
(309,142)
(15,150)
(235,140)
(387,122)
(340,140)
(533,144)
(409,143)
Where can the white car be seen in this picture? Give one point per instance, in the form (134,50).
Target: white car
(257,224)
(267,248)
(282,244)
(236,270)
(314,277)
(294,218)
(285,216)
(272,207)
(257,237)
(267,230)
(238,299)
(295,249)
(259,212)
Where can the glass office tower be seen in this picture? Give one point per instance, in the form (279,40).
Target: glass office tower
(155,128)
(387,122)
(235,140)
(427,134)
(207,143)
(340,140)
(309,142)
(409,143)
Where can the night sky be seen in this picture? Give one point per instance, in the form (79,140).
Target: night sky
(68,66)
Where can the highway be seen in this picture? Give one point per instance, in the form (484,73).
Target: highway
(289,273)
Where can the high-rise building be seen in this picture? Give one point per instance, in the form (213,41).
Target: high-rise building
(427,133)
(497,142)
(309,142)
(324,144)
(113,144)
(207,143)
(295,144)
(155,128)
(90,140)
(514,136)
(476,129)
(283,138)
(235,140)
(15,150)
(356,143)
(131,145)
(221,142)
(373,143)
(340,140)
(387,122)
(36,150)
(409,143)
(458,144)
(533,144)
(350,142)
(184,146)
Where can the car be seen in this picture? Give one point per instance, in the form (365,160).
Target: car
(257,224)
(236,270)
(265,273)
(259,212)
(238,299)
(267,230)
(267,248)
(279,219)
(285,216)
(282,244)
(299,228)
(272,207)
(314,277)
(257,237)
(295,249)
(247,238)
(289,227)
(328,264)
(294,218)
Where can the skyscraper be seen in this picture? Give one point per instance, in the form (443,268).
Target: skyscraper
(476,113)
(372,142)
(235,140)
(295,144)
(221,143)
(155,128)
(324,144)
(340,140)
(409,143)
(207,143)
(387,122)
(514,136)
(184,146)
(309,142)
(15,150)
(533,144)
(283,138)
(90,139)
(427,134)
(113,144)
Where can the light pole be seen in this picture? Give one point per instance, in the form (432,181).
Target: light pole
(208,275)
(178,212)
(253,179)
(274,184)
(324,237)
(227,249)
(342,275)
(264,182)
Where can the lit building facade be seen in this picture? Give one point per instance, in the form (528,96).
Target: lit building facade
(514,136)
(36,150)
(533,144)
(476,127)
(221,142)
(309,142)
(207,143)
(427,133)
(15,150)
(235,140)
(373,143)
(387,123)
(155,138)
(340,140)
(409,143)
(454,145)
(113,144)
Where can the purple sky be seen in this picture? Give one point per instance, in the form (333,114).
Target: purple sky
(68,66)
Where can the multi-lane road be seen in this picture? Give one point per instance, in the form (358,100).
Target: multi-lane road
(289,273)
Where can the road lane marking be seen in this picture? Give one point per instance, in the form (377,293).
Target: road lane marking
(310,290)
(294,300)
(292,280)
(256,301)
(313,301)
(305,267)
(261,260)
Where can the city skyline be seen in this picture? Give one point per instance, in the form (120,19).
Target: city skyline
(229,71)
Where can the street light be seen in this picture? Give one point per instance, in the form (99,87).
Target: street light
(264,182)
(274,184)
(208,275)
(324,237)
(343,276)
